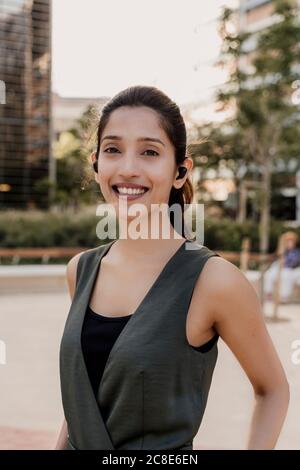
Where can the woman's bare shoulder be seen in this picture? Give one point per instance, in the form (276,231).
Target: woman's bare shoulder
(71,271)
(218,269)
(223,284)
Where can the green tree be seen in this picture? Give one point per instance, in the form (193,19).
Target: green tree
(261,93)
(264,119)
(71,151)
(219,145)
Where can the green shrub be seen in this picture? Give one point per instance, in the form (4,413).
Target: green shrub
(68,229)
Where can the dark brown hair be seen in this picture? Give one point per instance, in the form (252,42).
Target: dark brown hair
(170,120)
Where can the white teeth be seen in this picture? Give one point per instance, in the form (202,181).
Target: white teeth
(130,190)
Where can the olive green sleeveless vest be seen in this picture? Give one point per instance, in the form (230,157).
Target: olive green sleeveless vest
(155,385)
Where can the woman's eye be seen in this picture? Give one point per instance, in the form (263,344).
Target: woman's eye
(149,150)
(109,148)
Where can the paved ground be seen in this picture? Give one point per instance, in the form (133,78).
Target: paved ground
(30,405)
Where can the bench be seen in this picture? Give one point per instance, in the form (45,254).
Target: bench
(46,277)
(63,252)
(44,253)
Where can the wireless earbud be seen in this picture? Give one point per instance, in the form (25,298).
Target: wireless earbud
(182,171)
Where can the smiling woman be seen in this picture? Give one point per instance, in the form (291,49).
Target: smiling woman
(145,164)
(139,346)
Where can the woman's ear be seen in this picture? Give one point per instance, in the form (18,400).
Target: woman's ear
(94,161)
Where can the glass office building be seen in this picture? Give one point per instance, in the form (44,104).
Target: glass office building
(25,114)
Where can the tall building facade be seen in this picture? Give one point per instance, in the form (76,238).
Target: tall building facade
(256,14)
(25,117)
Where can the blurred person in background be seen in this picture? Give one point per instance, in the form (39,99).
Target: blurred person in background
(290,271)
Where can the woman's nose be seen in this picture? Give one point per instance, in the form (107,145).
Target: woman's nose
(128,166)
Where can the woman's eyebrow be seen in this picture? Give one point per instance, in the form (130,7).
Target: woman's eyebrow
(140,139)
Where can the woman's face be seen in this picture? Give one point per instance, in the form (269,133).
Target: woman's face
(125,157)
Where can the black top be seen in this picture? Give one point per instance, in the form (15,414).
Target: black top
(98,336)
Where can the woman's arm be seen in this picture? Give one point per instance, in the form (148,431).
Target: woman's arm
(235,313)
(71,279)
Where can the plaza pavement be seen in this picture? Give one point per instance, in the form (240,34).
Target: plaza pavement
(31,414)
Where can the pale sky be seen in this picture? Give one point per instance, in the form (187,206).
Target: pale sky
(101,47)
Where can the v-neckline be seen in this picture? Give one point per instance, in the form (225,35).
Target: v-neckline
(133,316)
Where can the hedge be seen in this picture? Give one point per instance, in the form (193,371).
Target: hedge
(51,229)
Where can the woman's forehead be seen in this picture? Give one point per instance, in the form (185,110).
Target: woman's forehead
(137,122)
(138,114)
